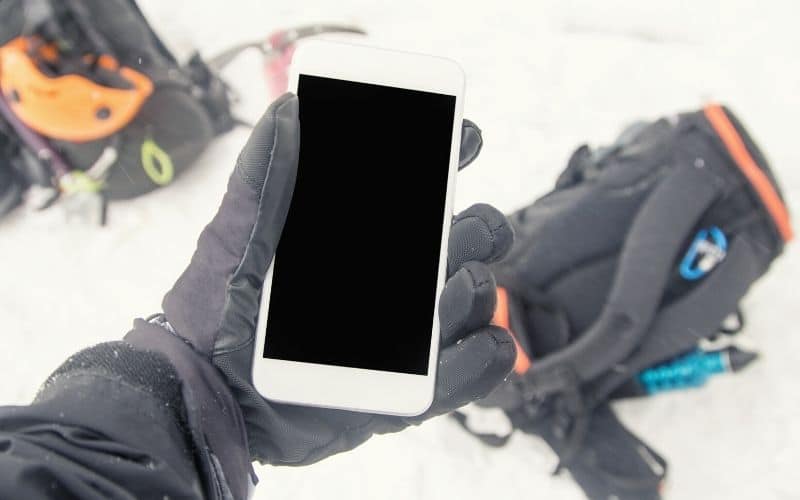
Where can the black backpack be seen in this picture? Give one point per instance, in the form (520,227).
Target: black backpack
(642,249)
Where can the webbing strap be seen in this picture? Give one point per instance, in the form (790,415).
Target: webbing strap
(679,326)
(487,438)
(656,236)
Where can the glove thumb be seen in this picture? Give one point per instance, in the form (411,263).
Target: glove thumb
(214,304)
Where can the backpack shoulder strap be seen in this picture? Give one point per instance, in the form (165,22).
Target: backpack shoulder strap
(656,236)
(678,326)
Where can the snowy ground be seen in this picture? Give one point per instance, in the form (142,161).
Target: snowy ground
(542,77)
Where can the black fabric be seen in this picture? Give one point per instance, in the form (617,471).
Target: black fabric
(12,14)
(188,107)
(758,155)
(10,183)
(489,439)
(471,144)
(610,463)
(145,418)
(107,424)
(124,32)
(593,218)
(10,191)
(172,119)
(677,327)
(631,388)
(470,300)
(582,294)
(146,371)
(596,295)
(213,418)
(215,303)
(645,260)
(481,234)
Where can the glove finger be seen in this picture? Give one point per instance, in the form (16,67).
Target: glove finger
(236,248)
(480,233)
(273,146)
(471,369)
(471,144)
(467,303)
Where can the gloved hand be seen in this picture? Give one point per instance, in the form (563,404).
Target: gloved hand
(215,303)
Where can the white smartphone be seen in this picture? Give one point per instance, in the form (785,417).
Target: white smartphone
(348,314)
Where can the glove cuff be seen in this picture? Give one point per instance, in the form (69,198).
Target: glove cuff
(213,416)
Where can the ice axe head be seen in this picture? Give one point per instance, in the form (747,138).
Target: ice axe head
(281,45)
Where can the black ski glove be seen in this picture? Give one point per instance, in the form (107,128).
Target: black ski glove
(214,307)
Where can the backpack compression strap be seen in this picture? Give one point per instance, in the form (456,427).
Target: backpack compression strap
(656,236)
(676,328)
(502,318)
(650,248)
(679,325)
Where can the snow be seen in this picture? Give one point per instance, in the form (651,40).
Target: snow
(543,76)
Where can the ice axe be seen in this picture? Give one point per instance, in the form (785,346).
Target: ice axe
(277,51)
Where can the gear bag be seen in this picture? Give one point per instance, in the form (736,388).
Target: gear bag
(643,248)
(98,101)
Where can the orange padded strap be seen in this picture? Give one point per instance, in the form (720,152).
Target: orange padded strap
(502,319)
(738,151)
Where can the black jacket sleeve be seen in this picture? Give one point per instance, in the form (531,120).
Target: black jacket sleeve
(108,424)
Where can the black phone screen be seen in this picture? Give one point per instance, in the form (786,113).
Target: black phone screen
(354,280)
